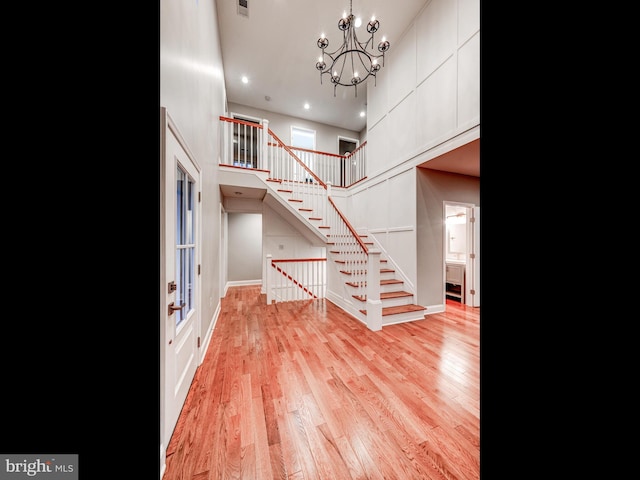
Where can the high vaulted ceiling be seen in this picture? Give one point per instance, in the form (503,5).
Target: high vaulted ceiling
(275,47)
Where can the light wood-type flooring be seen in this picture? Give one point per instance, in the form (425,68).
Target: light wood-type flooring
(302,390)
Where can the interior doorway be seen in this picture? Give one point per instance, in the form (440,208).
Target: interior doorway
(345,147)
(461,253)
(246,141)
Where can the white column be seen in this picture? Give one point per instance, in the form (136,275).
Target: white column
(374,304)
(269,274)
(264,151)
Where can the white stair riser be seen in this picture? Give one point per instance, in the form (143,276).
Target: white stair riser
(403,317)
(395,302)
(383,288)
(394,287)
(387,275)
(387,302)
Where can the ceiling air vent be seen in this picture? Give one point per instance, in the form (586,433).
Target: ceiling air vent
(243,8)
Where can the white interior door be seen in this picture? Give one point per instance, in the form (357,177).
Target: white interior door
(180,321)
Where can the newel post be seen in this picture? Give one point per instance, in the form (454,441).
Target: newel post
(269,278)
(265,146)
(329,188)
(374,304)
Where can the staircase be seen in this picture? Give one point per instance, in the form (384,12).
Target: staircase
(397,303)
(361,278)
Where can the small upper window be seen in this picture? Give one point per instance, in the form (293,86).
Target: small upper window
(303,138)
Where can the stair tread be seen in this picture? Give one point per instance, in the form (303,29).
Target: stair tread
(399,293)
(351,272)
(386,295)
(358,261)
(382,282)
(399,309)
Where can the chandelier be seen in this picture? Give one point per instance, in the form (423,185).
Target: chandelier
(351,64)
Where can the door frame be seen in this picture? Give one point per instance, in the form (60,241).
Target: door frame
(472,285)
(343,165)
(472,252)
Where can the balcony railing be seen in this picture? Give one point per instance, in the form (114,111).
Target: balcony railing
(245,144)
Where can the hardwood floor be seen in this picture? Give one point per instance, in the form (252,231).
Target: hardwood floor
(301,390)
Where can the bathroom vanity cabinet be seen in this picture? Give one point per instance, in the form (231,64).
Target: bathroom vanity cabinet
(455,281)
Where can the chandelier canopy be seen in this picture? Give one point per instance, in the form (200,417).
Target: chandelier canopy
(351,64)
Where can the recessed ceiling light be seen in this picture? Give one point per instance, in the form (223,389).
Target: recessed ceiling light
(362,114)
(245,79)
(306,106)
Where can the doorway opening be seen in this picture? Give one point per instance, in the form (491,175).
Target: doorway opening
(461,253)
(246,141)
(345,147)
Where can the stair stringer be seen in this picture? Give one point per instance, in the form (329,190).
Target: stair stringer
(283,200)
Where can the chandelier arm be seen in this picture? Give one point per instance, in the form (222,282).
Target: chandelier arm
(363,45)
(368,68)
(344,61)
(340,50)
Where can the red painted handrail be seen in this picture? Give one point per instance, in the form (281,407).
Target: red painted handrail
(299,260)
(281,144)
(240,122)
(293,280)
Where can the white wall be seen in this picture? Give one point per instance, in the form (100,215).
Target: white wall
(433,189)
(426,102)
(326,135)
(192,89)
(244,247)
(384,209)
(281,239)
(430,90)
